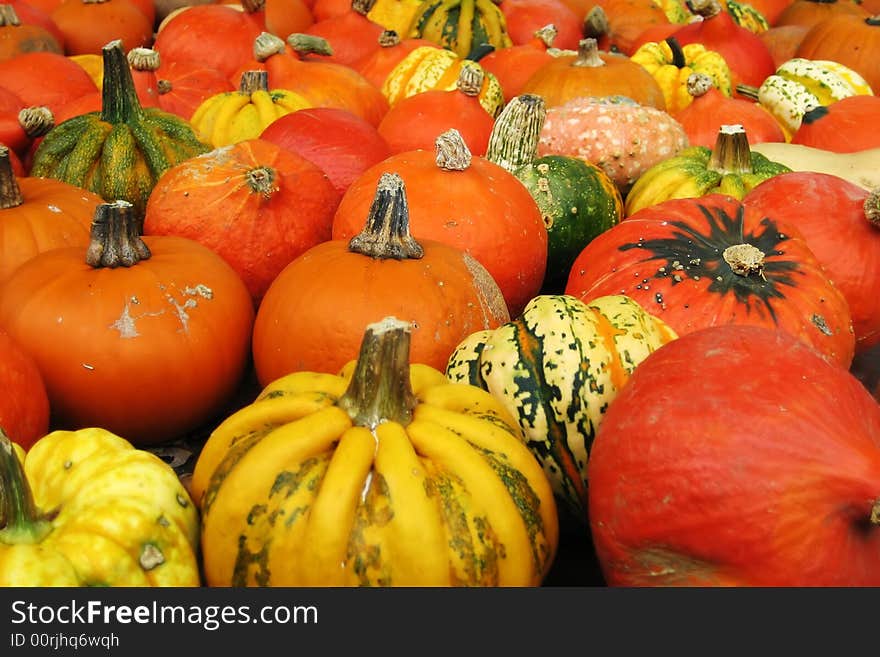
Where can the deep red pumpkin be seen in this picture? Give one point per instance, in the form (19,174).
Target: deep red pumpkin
(830,213)
(679,259)
(845,126)
(24,405)
(736,456)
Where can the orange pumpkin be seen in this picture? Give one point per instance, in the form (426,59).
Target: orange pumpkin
(39,214)
(514,65)
(88,25)
(313,315)
(392,49)
(849,39)
(254,203)
(352,36)
(183,86)
(467,202)
(45,78)
(17,36)
(24,405)
(145,337)
(594,73)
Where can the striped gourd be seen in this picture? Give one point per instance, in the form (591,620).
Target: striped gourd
(386,475)
(462,26)
(121,151)
(427,68)
(745,15)
(800,84)
(556,368)
(729,167)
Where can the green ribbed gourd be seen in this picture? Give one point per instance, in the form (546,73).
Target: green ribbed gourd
(462,26)
(556,368)
(121,151)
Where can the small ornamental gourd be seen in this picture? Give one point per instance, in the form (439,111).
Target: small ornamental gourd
(671,64)
(706,261)
(445,294)
(800,85)
(577,199)
(120,152)
(461,26)
(719,465)
(233,116)
(556,368)
(145,337)
(730,167)
(384,475)
(85,508)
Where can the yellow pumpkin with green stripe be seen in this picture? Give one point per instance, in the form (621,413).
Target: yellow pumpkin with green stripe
(729,167)
(385,475)
(462,26)
(120,152)
(427,68)
(556,368)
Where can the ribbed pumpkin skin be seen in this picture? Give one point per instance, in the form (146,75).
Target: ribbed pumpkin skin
(120,152)
(461,25)
(453,498)
(556,368)
(672,258)
(719,464)
(257,225)
(118,510)
(24,406)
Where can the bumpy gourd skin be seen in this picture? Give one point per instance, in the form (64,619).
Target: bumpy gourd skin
(108,515)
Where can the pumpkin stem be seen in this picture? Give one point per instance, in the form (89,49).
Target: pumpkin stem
(252,81)
(8,16)
(731,153)
(252,6)
(699,84)
(470,80)
(705,8)
(266,45)
(309,44)
(36,121)
(143,59)
(386,234)
(10,192)
(744,259)
(20,522)
(872,207)
(596,23)
(388,39)
(513,141)
(115,238)
(747,91)
(261,180)
(119,101)
(814,114)
(678,59)
(452,151)
(362,7)
(380,388)
(547,34)
(588,54)
(875,513)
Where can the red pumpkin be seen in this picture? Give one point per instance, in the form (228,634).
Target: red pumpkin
(338,142)
(467,202)
(840,222)
(392,49)
(24,404)
(525,17)
(313,315)
(719,464)
(147,338)
(514,65)
(845,126)
(183,86)
(256,204)
(45,78)
(711,260)
(352,36)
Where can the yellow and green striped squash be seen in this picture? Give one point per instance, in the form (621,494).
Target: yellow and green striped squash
(121,151)
(745,15)
(86,508)
(427,68)
(462,26)
(385,475)
(556,368)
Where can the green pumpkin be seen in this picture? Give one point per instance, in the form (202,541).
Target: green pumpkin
(556,368)
(120,152)
(465,27)
(578,202)
(730,168)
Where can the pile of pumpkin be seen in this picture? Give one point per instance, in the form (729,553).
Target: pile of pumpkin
(434,280)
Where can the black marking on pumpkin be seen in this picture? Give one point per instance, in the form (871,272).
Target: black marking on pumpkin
(695,255)
(238,447)
(249,562)
(376,510)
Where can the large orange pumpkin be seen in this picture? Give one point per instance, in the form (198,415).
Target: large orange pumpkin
(24,405)
(467,202)
(849,39)
(147,338)
(313,315)
(256,204)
